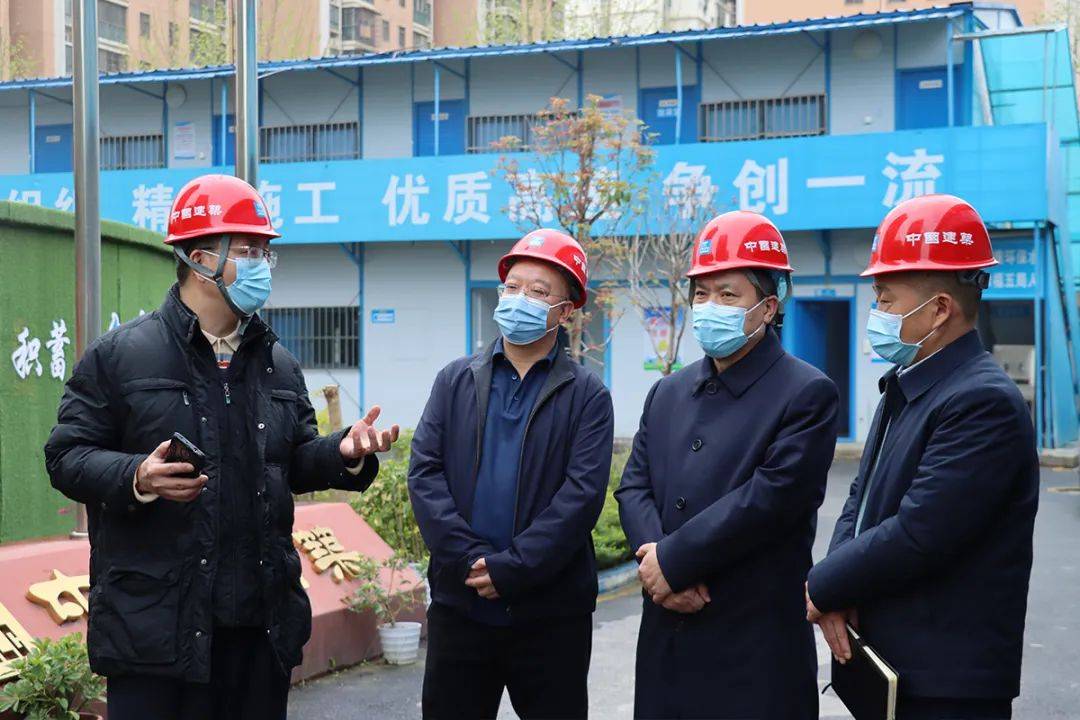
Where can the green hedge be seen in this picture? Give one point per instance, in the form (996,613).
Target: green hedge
(386,508)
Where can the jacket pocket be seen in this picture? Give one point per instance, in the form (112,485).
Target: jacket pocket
(282,425)
(136,616)
(156,408)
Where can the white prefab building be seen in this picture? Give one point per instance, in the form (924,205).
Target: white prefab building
(377,171)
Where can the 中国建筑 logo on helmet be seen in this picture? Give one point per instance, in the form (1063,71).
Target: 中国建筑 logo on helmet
(259,208)
(706,247)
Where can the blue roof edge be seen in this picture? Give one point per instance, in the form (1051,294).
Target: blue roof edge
(451,53)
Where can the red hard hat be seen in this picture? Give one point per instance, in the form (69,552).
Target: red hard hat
(736,240)
(932,232)
(218,205)
(553,247)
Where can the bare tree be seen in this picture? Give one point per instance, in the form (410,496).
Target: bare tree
(657,258)
(588,175)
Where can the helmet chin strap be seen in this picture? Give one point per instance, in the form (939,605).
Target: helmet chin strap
(217,275)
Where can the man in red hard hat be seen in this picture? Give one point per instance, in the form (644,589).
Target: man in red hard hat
(720,496)
(931,556)
(196,608)
(508,474)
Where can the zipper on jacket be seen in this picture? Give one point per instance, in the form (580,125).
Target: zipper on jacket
(528,423)
(228,395)
(187,401)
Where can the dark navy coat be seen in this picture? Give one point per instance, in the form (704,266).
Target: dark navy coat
(939,571)
(727,472)
(550,569)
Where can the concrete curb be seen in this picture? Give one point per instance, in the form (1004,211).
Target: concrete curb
(1068,457)
(617,578)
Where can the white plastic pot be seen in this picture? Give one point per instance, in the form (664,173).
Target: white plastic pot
(400,642)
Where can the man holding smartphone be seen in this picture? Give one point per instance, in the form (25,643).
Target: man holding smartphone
(196,608)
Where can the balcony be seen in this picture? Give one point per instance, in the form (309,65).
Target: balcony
(358,29)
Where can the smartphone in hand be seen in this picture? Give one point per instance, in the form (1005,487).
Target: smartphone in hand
(182,450)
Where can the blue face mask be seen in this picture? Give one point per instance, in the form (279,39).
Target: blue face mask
(251,289)
(523,320)
(719,328)
(883,332)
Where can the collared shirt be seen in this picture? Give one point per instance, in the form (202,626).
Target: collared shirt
(510,403)
(225,347)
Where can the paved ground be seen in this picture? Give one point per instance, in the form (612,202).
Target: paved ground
(1051,684)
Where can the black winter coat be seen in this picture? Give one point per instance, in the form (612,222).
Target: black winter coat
(726,474)
(152,566)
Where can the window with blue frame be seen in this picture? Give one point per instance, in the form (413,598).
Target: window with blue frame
(320,337)
(132,152)
(794,116)
(309,143)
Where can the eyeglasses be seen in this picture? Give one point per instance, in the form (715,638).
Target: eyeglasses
(251,253)
(536,292)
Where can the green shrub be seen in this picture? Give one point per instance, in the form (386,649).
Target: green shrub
(385,506)
(609,539)
(55,681)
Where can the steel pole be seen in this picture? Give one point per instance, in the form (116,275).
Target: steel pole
(247,91)
(87,203)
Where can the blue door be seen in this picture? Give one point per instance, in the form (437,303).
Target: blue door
(229,158)
(659,108)
(819,332)
(922,98)
(451,128)
(52,148)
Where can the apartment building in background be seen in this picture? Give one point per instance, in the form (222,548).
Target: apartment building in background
(463,23)
(36,35)
(753,12)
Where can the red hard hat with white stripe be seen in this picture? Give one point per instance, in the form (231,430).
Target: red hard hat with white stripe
(218,205)
(932,232)
(741,240)
(553,247)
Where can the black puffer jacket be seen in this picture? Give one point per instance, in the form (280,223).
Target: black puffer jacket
(152,566)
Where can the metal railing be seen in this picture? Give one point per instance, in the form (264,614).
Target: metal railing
(307,143)
(795,116)
(319,337)
(485,130)
(132,152)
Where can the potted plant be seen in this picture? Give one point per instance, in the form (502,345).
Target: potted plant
(400,640)
(55,682)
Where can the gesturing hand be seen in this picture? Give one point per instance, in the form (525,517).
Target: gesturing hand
(480,580)
(651,575)
(165,479)
(688,601)
(364,439)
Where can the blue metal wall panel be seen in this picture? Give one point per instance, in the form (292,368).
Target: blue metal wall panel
(921,98)
(843,181)
(658,110)
(451,127)
(52,148)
